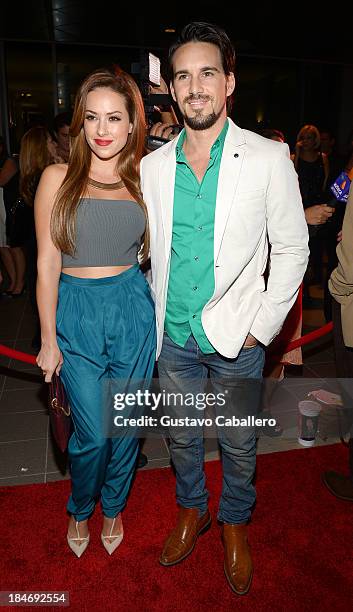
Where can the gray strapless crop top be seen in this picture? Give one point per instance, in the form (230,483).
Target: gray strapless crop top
(108,233)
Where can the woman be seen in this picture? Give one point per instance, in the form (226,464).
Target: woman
(311,165)
(96,312)
(313,170)
(36,153)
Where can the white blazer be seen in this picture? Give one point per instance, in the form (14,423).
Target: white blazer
(258,201)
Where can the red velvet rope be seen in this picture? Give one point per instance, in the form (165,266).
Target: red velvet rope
(18,355)
(317,333)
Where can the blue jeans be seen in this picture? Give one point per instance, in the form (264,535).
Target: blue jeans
(185,370)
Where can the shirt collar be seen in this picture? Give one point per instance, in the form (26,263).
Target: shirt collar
(219,142)
(180,143)
(217,145)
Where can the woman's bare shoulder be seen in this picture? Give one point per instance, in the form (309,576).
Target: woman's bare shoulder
(50,183)
(55,172)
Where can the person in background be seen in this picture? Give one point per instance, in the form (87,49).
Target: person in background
(2,227)
(9,184)
(38,150)
(273,134)
(96,312)
(61,127)
(336,160)
(329,231)
(341,288)
(313,171)
(211,205)
(348,154)
(164,121)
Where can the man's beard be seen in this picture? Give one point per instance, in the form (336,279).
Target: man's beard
(199,121)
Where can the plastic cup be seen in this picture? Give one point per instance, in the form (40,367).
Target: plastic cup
(308,422)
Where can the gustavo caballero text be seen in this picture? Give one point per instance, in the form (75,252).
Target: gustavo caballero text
(168,421)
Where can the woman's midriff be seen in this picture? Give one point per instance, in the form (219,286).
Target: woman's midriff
(95,272)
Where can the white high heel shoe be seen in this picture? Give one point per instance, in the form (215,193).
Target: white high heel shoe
(111,546)
(76,548)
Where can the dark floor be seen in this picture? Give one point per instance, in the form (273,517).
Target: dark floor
(27,452)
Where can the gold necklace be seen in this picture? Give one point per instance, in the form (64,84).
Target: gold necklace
(107,186)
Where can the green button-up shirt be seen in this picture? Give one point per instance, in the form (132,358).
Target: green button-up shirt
(191,277)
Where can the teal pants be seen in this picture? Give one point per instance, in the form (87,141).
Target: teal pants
(105,330)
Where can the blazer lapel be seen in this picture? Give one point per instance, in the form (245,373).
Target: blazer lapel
(232,160)
(166,177)
(229,173)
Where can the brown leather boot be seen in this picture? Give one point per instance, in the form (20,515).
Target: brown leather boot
(238,566)
(182,539)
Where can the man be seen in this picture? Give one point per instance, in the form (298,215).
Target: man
(329,231)
(341,289)
(62,134)
(336,161)
(213,195)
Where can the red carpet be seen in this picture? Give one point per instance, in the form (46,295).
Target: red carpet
(301,540)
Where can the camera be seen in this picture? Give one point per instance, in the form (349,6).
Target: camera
(148,72)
